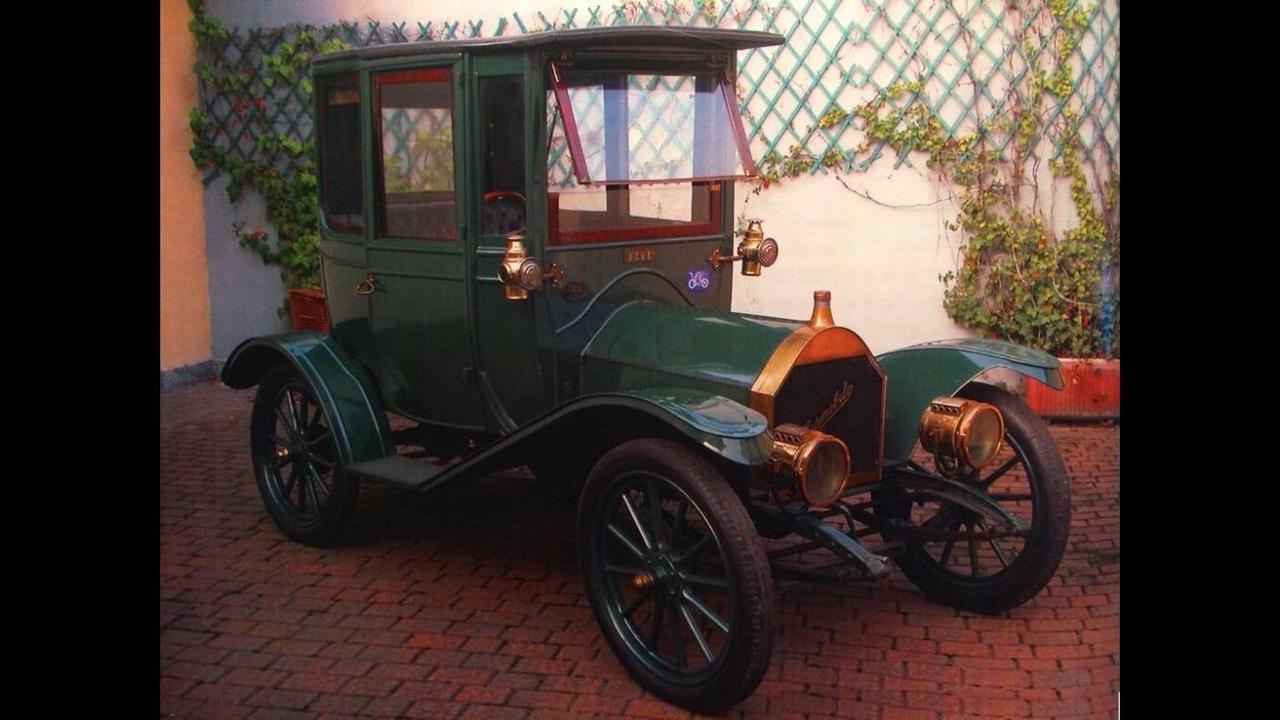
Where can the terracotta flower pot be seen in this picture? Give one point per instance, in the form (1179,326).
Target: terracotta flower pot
(307,310)
(1092,391)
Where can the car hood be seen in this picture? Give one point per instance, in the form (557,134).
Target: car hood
(644,344)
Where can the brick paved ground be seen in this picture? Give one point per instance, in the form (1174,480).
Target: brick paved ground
(470,606)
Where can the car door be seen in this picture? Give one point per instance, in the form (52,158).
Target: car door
(509,350)
(417,256)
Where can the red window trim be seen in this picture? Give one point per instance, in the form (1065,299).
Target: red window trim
(443,74)
(570,127)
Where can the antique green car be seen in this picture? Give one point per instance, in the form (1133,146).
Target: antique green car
(528,249)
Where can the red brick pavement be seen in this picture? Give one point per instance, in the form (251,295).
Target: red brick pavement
(470,606)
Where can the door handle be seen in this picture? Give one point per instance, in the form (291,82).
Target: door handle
(367,286)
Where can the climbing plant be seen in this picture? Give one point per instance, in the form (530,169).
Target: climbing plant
(267,156)
(1017,279)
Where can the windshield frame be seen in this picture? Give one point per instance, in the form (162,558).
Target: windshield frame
(560,87)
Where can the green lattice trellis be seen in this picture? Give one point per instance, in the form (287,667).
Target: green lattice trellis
(839,54)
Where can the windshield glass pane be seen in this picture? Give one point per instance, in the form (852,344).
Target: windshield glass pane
(647,127)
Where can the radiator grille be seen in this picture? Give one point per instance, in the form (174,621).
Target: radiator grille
(812,392)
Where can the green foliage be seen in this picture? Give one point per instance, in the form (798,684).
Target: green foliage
(279,167)
(426,164)
(775,167)
(1018,280)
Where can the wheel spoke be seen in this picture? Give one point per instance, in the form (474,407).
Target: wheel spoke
(693,549)
(288,484)
(622,569)
(677,637)
(635,518)
(304,421)
(946,549)
(311,492)
(637,601)
(655,513)
(288,426)
(693,600)
(677,527)
(698,637)
(655,623)
(326,463)
(974,568)
(294,413)
(622,537)
(943,515)
(995,546)
(705,580)
(999,472)
(319,481)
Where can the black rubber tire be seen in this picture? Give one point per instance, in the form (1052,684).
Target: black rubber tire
(320,528)
(749,647)
(1031,570)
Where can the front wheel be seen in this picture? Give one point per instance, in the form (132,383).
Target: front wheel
(296,461)
(973,565)
(676,575)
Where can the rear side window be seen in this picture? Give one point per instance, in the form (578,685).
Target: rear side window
(414,117)
(338,127)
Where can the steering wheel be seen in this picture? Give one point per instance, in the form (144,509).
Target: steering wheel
(503,200)
(496,195)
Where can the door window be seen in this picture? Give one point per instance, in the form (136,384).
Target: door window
(502,147)
(414,119)
(338,127)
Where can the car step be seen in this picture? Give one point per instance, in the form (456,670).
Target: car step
(396,471)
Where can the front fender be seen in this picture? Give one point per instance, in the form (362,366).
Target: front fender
(920,373)
(726,427)
(351,402)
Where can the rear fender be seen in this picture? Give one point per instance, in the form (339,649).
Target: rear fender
(920,373)
(350,400)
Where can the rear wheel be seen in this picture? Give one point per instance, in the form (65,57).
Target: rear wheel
(676,576)
(977,566)
(296,462)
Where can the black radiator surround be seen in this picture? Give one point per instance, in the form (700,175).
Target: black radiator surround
(812,389)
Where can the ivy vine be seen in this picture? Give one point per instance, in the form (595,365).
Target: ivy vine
(1017,279)
(279,167)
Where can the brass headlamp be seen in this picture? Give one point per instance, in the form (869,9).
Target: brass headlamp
(961,432)
(521,273)
(755,251)
(817,462)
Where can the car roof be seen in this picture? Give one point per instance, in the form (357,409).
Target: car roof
(638,37)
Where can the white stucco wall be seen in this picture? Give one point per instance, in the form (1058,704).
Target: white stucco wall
(881,263)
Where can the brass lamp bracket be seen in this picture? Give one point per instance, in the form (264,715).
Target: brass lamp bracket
(715,259)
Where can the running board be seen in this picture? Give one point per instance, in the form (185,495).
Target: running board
(396,471)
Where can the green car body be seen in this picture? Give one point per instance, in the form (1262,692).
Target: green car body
(437,342)
(512,281)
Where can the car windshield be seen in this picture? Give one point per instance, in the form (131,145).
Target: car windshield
(640,155)
(620,126)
